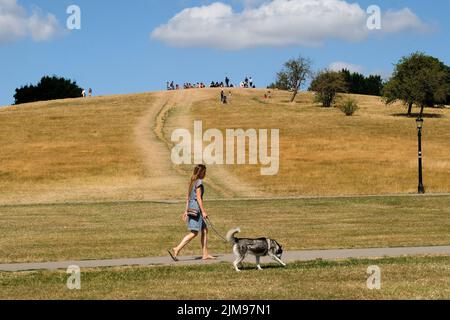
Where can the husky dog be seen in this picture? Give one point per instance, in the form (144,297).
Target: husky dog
(261,247)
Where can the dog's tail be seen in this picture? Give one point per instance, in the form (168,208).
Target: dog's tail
(231,235)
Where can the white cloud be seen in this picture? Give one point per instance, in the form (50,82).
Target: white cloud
(403,20)
(339,65)
(43,29)
(15,23)
(252,3)
(277,23)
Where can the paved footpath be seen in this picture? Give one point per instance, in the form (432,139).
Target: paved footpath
(291,256)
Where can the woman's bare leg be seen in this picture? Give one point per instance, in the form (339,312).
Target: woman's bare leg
(204,239)
(184,243)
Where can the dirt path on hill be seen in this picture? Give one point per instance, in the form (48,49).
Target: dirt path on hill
(161,176)
(220,179)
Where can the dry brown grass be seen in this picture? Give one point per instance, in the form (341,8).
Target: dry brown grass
(323,152)
(118,147)
(78,143)
(91,149)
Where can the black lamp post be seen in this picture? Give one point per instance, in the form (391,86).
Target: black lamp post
(419,122)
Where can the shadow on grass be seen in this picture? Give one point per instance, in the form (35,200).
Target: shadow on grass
(259,100)
(249,267)
(416,115)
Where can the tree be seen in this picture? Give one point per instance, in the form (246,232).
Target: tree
(448,81)
(294,74)
(418,80)
(49,88)
(374,85)
(359,84)
(327,84)
(281,83)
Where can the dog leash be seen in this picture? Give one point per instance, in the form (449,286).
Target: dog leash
(211,225)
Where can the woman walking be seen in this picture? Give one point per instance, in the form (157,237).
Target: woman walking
(195,215)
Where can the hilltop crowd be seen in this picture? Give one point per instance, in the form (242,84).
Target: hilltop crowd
(246,83)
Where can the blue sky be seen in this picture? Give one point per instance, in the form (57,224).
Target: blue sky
(114,52)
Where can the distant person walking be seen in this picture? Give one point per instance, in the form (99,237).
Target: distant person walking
(90,92)
(223,97)
(195,215)
(250,82)
(227,82)
(83,93)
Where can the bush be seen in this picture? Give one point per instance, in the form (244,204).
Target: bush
(327,84)
(49,88)
(349,107)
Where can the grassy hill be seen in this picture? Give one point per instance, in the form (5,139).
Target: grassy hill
(75,149)
(118,147)
(108,150)
(323,152)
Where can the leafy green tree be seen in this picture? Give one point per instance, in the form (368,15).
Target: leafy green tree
(48,88)
(448,81)
(359,84)
(281,83)
(374,85)
(294,75)
(327,84)
(419,80)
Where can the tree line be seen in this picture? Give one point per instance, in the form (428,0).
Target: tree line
(357,83)
(349,82)
(48,88)
(418,80)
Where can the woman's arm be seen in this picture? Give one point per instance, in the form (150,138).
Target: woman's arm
(200,202)
(185,214)
(187,203)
